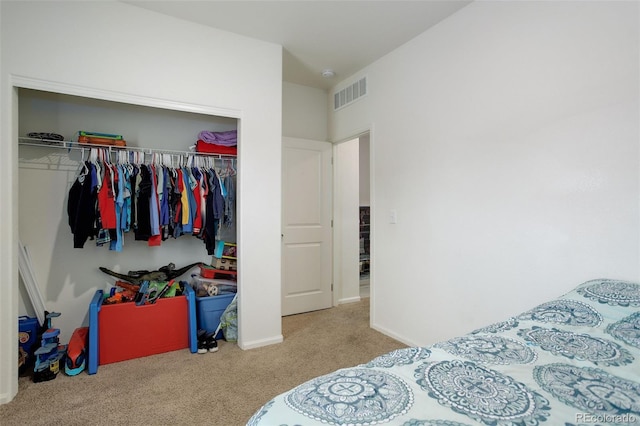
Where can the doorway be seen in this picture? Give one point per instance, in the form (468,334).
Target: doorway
(305,286)
(365,214)
(352,241)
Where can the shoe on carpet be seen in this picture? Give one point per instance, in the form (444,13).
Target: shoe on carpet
(212,345)
(203,346)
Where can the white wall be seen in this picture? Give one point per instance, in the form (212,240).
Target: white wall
(158,61)
(304,112)
(506,138)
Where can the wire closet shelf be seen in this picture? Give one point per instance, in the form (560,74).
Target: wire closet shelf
(180,156)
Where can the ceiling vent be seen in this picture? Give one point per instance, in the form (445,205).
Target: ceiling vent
(350,94)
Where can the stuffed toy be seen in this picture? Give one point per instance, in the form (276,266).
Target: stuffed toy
(207,289)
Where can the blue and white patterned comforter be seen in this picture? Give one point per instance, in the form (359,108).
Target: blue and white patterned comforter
(572,361)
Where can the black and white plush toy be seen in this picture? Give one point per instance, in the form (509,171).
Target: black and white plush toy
(207,289)
(212,290)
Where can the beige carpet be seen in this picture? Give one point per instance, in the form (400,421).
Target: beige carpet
(222,388)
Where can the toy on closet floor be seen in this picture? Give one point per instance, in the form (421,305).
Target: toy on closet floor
(50,352)
(147,293)
(76,352)
(204,289)
(165,273)
(121,293)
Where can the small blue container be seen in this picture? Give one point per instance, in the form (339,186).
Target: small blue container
(210,309)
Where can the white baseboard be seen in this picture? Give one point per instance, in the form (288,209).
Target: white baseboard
(349,300)
(262,342)
(6,398)
(395,336)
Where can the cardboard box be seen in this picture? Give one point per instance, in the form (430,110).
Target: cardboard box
(224,264)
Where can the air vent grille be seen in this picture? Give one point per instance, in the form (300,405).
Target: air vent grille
(350,94)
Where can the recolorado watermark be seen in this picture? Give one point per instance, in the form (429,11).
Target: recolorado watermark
(606,418)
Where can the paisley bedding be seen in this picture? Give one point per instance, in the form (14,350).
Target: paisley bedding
(571,361)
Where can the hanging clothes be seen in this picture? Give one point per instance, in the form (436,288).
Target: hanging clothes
(117,242)
(154,201)
(106,199)
(197,196)
(143,198)
(164,204)
(175,205)
(154,210)
(125,218)
(204,191)
(81,206)
(230,200)
(190,205)
(214,210)
(135,193)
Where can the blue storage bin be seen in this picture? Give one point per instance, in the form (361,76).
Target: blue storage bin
(210,310)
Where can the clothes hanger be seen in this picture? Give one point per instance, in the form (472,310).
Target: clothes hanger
(230,170)
(129,165)
(218,169)
(83,170)
(110,167)
(93,159)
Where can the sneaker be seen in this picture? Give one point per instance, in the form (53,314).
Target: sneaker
(202,342)
(212,345)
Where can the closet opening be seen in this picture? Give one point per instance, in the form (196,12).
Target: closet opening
(69,277)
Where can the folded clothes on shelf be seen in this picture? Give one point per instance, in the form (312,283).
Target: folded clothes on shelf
(101,138)
(212,148)
(226,138)
(101,141)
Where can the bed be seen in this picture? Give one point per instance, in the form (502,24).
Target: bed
(572,361)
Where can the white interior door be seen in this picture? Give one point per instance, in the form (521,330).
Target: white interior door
(306,225)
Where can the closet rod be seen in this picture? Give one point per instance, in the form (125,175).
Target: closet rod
(77,145)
